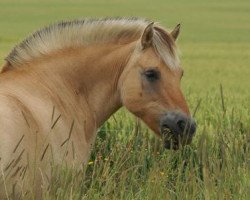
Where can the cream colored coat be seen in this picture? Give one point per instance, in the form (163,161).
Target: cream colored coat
(54,98)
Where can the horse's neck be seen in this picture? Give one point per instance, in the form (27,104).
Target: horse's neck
(93,73)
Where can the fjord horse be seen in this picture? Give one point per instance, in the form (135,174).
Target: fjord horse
(63,82)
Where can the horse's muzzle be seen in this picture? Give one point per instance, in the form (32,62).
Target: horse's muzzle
(177,129)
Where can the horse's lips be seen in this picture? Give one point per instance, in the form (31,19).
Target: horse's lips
(169,141)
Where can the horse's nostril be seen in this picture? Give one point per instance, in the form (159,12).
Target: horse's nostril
(181,125)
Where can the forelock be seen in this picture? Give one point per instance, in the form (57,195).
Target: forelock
(165,47)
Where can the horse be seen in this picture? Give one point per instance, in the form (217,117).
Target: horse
(60,84)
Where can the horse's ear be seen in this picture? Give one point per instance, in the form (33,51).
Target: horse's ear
(176,31)
(147,36)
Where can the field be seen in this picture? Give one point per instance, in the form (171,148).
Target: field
(128,162)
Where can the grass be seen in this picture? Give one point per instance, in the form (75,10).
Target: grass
(127,161)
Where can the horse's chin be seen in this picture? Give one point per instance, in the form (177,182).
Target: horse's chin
(175,144)
(172,142)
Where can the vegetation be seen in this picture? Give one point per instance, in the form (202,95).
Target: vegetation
(127,161)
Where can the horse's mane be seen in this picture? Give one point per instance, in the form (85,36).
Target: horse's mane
(84,32)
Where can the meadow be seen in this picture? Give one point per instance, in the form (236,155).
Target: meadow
(128,161)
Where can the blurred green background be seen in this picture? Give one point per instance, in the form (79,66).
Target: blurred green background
(214,41)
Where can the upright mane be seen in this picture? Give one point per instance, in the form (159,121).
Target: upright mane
(85,32)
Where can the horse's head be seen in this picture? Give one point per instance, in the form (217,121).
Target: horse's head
(150,87)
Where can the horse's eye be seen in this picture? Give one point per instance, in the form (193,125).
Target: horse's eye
(152,75)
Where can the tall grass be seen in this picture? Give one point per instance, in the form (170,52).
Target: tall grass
(128,162)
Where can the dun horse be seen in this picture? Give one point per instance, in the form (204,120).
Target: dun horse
(64,81)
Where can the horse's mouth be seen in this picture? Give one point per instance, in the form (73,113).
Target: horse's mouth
(168,138)
(173,140)
(177,129)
